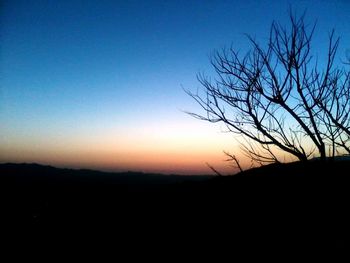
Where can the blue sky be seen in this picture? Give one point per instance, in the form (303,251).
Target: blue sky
(78,77)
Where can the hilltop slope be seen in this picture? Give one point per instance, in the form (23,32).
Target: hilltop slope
(274,205)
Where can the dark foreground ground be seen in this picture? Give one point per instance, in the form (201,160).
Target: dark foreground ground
(275,207)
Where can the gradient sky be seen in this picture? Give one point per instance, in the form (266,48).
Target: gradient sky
(99,84)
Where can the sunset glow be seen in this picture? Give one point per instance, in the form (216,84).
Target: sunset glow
(100,85)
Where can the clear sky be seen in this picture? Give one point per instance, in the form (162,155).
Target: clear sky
(99,84)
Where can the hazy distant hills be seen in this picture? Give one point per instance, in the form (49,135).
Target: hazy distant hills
(307,202)
(25,172)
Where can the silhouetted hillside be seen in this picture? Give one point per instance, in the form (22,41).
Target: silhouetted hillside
(35,173)
(282,205)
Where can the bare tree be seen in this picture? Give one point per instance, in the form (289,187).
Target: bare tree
(278,98)
(232,158)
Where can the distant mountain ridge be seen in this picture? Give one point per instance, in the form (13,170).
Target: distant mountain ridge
(340,158)
(41,171)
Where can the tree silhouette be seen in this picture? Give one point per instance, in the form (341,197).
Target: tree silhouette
(278,98)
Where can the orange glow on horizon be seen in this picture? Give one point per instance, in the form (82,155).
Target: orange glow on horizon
(168,148)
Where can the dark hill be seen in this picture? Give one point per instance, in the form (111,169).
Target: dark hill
(41,174)
(281,205)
